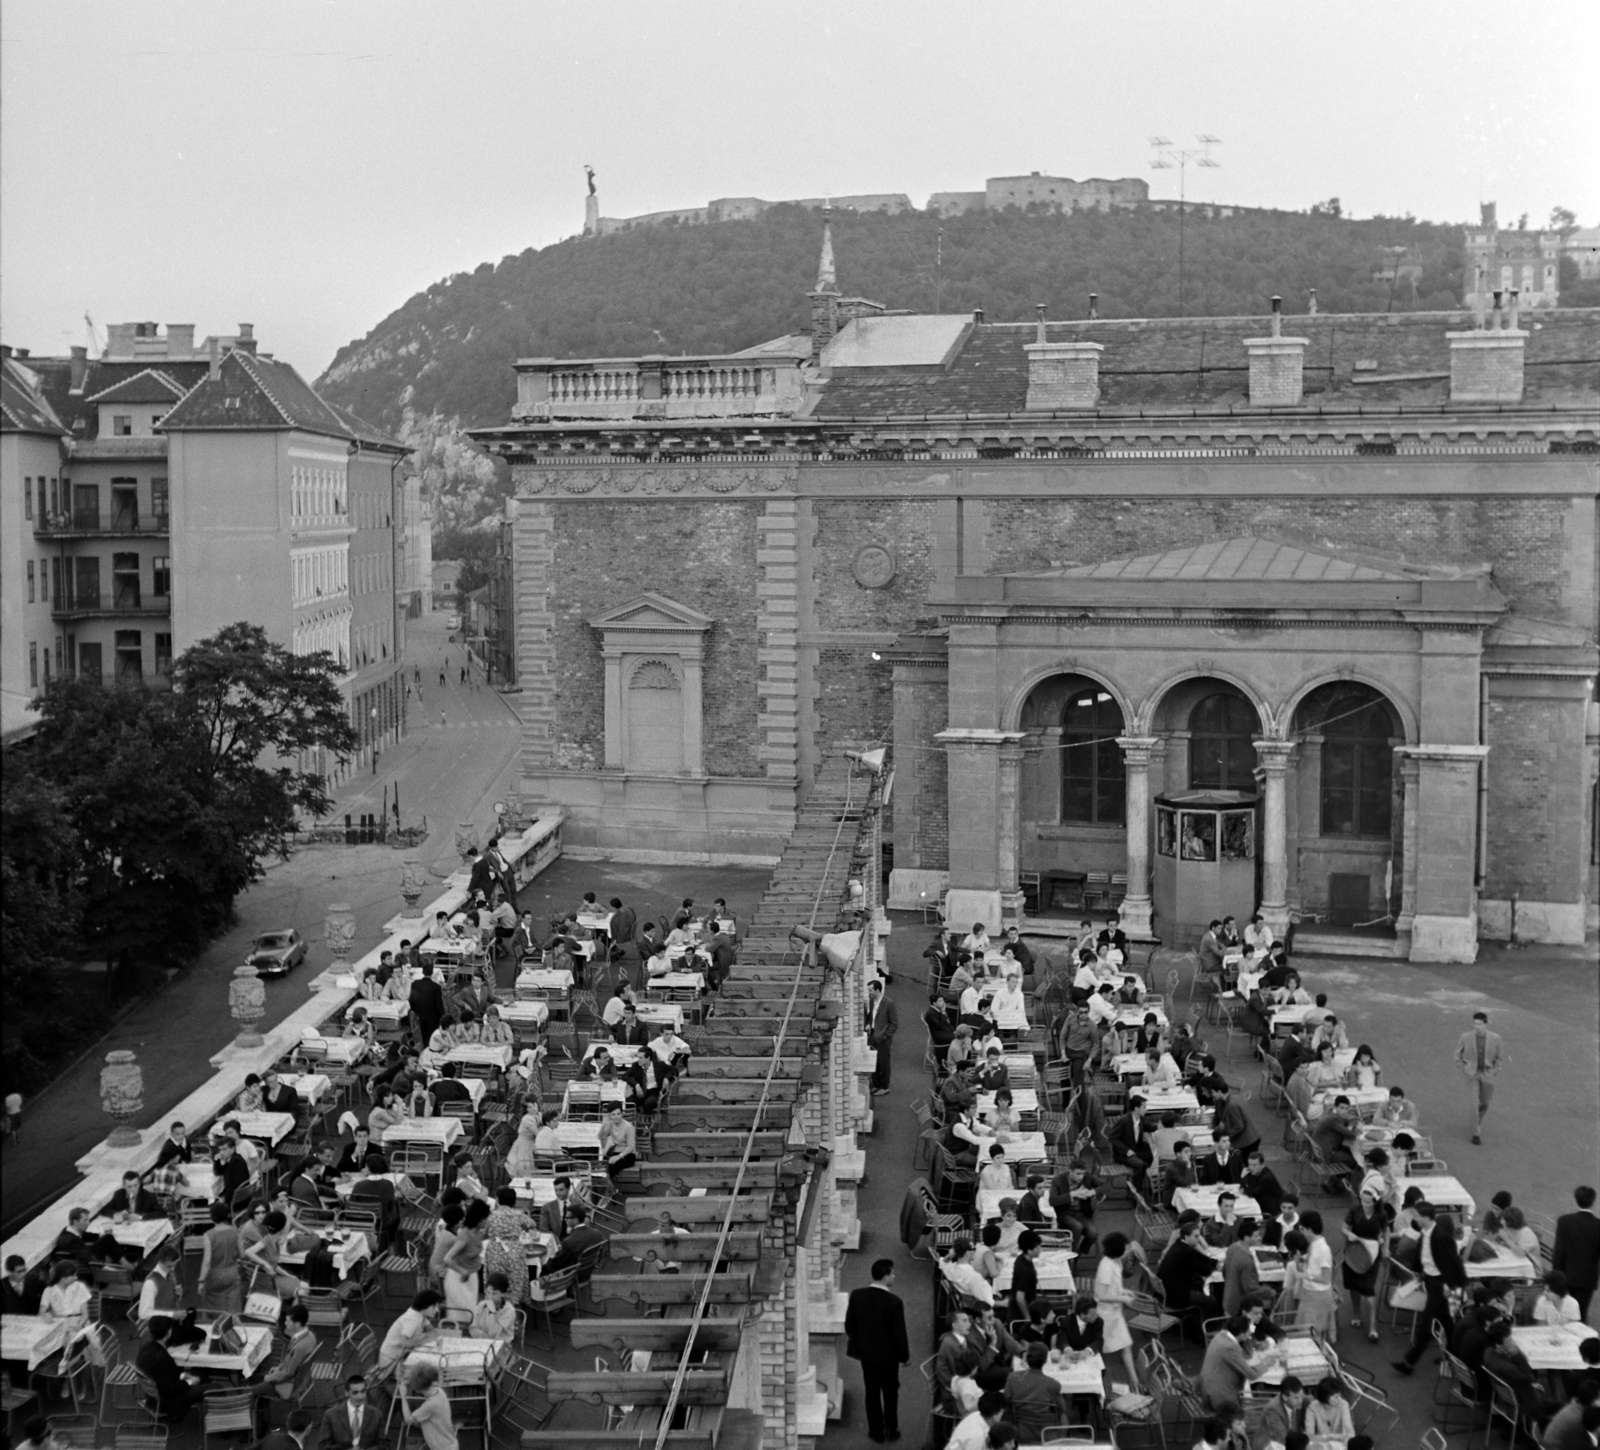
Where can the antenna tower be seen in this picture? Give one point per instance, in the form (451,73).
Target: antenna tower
(1166,156)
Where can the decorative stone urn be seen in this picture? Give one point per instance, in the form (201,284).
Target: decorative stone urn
(122,1096)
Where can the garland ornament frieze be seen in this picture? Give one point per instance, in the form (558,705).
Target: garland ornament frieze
(653,481)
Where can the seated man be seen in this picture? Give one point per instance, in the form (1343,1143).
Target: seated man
(1033,1397)
(448,1087)
(1179,1171)
(993,1075)
(356,1154)
(176,1394)
(134,1200)
(580,1236)
(1072,1197)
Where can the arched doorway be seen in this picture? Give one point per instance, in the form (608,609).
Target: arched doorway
(1073,799)
(1348,841)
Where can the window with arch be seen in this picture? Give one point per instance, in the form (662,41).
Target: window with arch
(1222,752)
(1093,779)
(1357,726)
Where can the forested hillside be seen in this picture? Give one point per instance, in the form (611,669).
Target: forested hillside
(443,360)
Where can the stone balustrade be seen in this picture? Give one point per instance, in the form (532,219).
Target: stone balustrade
(658,387)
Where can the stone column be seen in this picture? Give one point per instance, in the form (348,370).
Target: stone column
(1137,753)
(984,766)
(1441,850)
(1274,845)
(1408,847)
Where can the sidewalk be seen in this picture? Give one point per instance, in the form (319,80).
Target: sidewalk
(447,773)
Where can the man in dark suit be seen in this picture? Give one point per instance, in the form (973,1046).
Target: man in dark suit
(354,1425)
(427,1003)
(882,1024)
(1441,1270)
(875,1336)
(370,1189)
(356,1154)
(1081,1332)
(1128,1144)
(724,954)
(624,922)
(1261,1183)
(293,1436)
(583,1235)
(631,1032)
(135,1199)
(176,1393)
(19,1292)
(448,1087)
(481,879)
(73,1242)
(1576,1251)
(275,1096)
(1224,1165)
(555,1217)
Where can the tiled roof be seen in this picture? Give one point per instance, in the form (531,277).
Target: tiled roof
(23,406)
(145,386)
(252,393)
(1248,558)
(1372,360)
(365,432)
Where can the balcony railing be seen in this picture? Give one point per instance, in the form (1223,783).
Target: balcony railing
(116,524)
(109,606)
(657,388)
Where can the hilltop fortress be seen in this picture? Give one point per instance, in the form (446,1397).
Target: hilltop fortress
(1059,192)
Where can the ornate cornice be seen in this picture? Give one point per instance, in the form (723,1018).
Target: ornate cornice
(655,481)
(1190,619)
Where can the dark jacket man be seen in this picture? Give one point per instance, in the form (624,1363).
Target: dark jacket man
(875,1336)
(427,1003)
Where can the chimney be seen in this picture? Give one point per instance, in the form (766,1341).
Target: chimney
(1277,365)
(246,341)
(1094,307)
(80,369)
(214,349)
(1311,302)
(180,339)
(1486,363)
(977,317)
(1062,374)
(1486,216)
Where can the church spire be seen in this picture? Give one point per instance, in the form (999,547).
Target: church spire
(826,280)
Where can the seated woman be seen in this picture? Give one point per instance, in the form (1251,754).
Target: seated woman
(547,1141)
(67,1297)
(1556,1305)
(1002,1117)
(494,1030)
(996,1172)
(358,1025)
(386,1112)
(1323,1074)
(251,1099)
(443,1038)
(658,964)
(1327,1412)
(1516,1235)
(987,1260)
(496,1316)
(682,933)
(1364,1072)
(1291,993)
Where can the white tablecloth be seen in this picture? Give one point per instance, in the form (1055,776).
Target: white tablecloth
(483,1054)
(677,981)
(1299,1357)
(1443,1191)
(1169,1100)
(1552,1346)
(145,1234)
(347,1249)
(466,1359)
(530,1014)
(1086,1377)
(1203,1200)
(205,1358)
(263,1127)
(1054,1267)
(424,1130)
(1023,1148)
(656,1013)
(579,1137)
(347,1050)
(538,979)
(1133,1016)
(309,1085)
(31,1338)
(1023,1100)
(1504,1265)
(595,920)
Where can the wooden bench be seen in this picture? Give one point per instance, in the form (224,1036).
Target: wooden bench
(622,1335)
(712,1209)
(642,1425)
(701,1116)
(682,1177)
(652,1387)
(687,1091)
(685,1248)
(721,1026)
(732,1287)
(691,1146)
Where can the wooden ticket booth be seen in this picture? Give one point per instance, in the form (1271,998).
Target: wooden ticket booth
(1205,860)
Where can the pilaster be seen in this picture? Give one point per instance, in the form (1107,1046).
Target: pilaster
(534,544)
(1137,909)
(1273,757)
(1441,833)
(777,653)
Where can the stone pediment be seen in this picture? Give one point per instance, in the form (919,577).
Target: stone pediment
(652,614)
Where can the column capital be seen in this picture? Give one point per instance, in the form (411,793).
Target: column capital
(976,738)
(1138,750)
(1274,754)
(1459,755)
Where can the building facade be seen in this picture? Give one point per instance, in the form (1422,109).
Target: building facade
(1506,260)
(192,487)
(1338,588)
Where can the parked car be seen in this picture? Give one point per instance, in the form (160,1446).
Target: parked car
(275,953)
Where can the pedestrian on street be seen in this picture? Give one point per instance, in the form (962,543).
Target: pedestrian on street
(463,679)
(1479,1056)
(882,1024)
(875,1336)
(441,714)
(442,679)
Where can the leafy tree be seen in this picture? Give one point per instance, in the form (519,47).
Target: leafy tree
(1562,219)
(476,548)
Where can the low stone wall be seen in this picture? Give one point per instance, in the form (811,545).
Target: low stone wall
(102,1167)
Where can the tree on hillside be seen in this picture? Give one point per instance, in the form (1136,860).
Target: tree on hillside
(476,548)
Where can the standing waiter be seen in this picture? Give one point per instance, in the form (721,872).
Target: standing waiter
(875,1334)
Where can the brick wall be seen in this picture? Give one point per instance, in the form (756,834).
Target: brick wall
(841,527)
(1536,804)
(921,792)
(702,554)
(1523,537)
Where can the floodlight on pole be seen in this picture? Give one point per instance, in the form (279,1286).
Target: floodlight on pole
(1167,156)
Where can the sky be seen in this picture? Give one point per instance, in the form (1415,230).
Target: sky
(308,165)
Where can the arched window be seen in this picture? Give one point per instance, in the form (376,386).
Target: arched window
(1222,755)
(1357,762)
(1093,788)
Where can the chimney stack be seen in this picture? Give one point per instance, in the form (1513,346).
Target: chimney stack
(977,317)
(1039,311)
(1486,363)
(1094,307)
(1062,374)
(246,341)
(79,369)
(1277,365)
(214,348)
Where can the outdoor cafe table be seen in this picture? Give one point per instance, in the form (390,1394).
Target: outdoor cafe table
(207,1358)
(31,1338)
(579,1137)
(1085,1377)
(262,1127)
(655,1013)
(1443,1191)
(1506,1264)
(1133,1015)
(595,920)
(468,1359)
(989,1203)
(1023,1100)
(1203,1200)
(1372,1097)
(444,1131)
(1296,1356)
(145,1234)
(311,1086)
(1023,1148)
(624,1054)
(677,982)
(540,1188)
(344,1185)
(1170,1100)
(600,1096)
(348,1050)
(543,979)
(1284,1018)
(530,1015)
(482,1054)
(1162,1140)
(476,1087)
(1552,1346)
(199,1180)
(1054,1267)
(347,1248)
(456,950)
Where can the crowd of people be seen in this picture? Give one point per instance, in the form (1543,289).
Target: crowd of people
(1244,1284)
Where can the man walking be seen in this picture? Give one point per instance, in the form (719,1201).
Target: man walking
(875,1335)
(882,1024)
(1576,1252)
(1479,1057)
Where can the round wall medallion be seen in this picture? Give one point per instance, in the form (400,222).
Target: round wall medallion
(874,566)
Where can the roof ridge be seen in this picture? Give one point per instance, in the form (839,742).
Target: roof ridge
(145,372)
(246,361)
